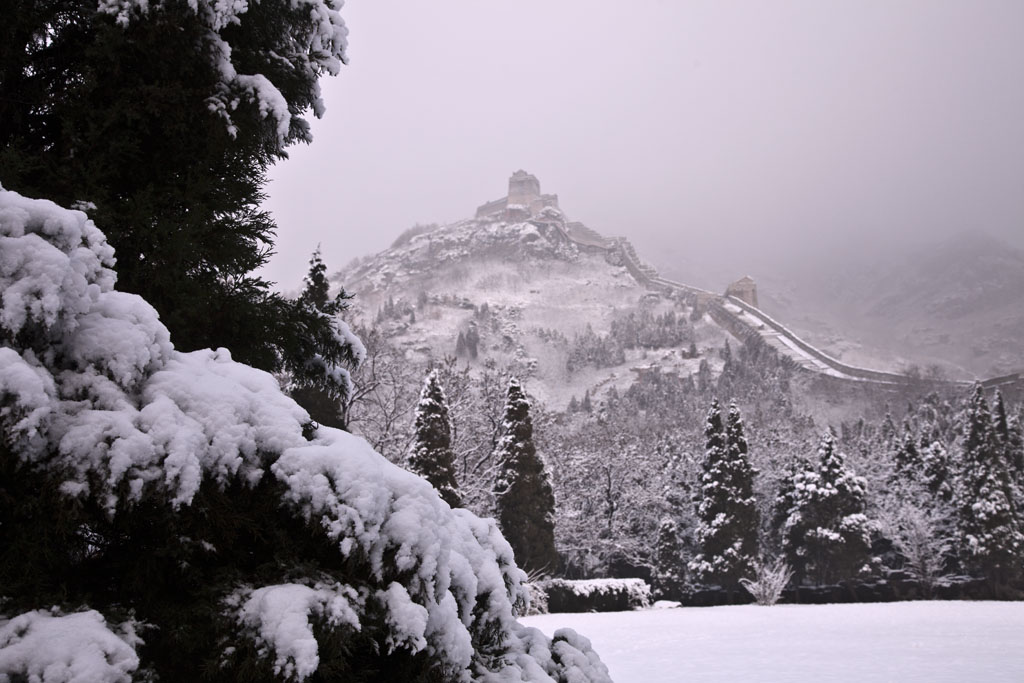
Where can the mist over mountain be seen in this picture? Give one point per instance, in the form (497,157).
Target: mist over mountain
(953,302)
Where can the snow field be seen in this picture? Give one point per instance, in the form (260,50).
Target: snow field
(909,642)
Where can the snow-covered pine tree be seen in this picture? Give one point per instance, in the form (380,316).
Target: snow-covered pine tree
(524,498)
(1011,440)
(887,430)
(319,369)
(726,510)
(180,519)
(935,467)
(907,458)
(826,536)
(990,528)
(669,568)
(431,455)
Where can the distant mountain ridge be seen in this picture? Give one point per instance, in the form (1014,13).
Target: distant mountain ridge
(958,303)
(546,283)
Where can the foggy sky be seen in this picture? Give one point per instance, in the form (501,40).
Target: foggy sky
(709,130)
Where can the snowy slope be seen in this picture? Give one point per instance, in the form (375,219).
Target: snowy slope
(909,642)
(533,284)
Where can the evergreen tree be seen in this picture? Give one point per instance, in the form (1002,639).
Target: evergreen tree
(1011,440)
(178,521)
(141,112)
(935,467)
(991,537)
(319,373)
(587,405)
(908,462)
(826,534)
(703,376)
(726,510)
(460,345)
(432,456)
(887,430)
(668,561)
(472,340)
(574,405)
(522,489)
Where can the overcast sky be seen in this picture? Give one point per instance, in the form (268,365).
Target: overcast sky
(694,128)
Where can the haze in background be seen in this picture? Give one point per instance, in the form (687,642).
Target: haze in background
(716,135)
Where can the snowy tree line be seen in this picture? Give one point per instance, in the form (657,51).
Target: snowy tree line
(844,506)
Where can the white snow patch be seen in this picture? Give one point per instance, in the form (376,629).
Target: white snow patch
(73,648)
(910,642)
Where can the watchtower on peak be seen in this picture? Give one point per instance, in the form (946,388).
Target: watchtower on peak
(523,201)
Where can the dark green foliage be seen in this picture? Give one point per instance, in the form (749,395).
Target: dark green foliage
(524,497)
(991,537)
(908,460)
(120,116)
(432,456)
(935,466)
(669,568)
(726,508)
(318,372)
(825,535)
(173,568)
(472,340)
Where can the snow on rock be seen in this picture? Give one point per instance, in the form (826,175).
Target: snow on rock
(50,648)
(92,390)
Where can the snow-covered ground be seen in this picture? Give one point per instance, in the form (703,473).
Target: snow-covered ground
(908,642)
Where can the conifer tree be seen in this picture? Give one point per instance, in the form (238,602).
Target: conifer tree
(1010,438)
(990,531)
(668,560)
(460,345)
(319,373)
(587,405)
(826,534)
(147,113)
(523,495)
(727,511)
(703,376)
(887,430)
(908,462)
(935,467)
(472,340)
(432,457)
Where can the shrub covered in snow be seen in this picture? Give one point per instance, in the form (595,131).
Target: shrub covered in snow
(597,595)
(185,488)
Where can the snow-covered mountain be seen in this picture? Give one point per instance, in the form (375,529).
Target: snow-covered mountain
(541,295)
(575,312)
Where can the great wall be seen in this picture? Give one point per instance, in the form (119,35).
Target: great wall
(741,318)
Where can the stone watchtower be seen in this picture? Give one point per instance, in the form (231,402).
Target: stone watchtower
(744,289)
(524,200)
(523,189)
